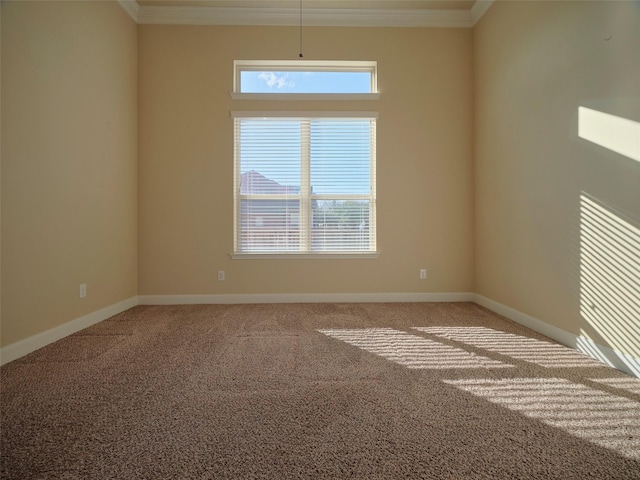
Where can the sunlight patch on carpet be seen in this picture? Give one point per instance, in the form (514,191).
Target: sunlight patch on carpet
(545,354)
(411,351)
(629,384)
(599,417)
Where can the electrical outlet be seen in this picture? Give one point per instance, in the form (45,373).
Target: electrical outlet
(423,274)
(82,290)
(221,275)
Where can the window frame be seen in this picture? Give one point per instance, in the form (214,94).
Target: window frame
(306,196)
(304,66)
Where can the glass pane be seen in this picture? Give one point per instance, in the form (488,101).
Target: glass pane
(269,152)
(340,225)
(341,156)
(282,81)
(269,225)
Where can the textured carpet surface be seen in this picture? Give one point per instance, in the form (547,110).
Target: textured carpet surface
(315,391)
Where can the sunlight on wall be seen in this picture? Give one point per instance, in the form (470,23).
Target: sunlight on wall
(599,417)
(411,351)
(618,134)
(542,353)
(609,279)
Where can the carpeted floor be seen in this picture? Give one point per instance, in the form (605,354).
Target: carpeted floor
(315,391)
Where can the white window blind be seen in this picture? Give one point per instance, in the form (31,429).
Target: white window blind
(305,184)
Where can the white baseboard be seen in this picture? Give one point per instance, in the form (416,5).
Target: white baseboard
(622,361)
(31,344)
(304,298)
(559,335)
(613,358)
(619,360)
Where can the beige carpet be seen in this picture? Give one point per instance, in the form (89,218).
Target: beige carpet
(317,391)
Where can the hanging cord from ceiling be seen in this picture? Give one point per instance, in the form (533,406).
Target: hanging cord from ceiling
(301,55)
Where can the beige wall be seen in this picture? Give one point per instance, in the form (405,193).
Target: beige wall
(69,172)
(186,160)
(482,177)
(537,181)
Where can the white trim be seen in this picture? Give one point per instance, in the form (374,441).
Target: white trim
(528,321)
(303,65)
(611,357)
(622,361)
(479,9)
(31,344)
(304,255)
(325,17)
(304,298)
(307,97)
(131,7)
(301,114)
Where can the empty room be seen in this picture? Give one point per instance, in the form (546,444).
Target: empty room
(320,239)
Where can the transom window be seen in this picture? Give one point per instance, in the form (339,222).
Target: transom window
(304,77)
(305,183)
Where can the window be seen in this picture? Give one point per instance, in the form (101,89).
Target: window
(300,79)
(305,183)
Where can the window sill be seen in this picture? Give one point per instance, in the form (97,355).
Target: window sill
(315,256)
(320,97)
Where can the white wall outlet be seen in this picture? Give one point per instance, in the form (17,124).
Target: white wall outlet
(221,275)
(423,274)
(82,290)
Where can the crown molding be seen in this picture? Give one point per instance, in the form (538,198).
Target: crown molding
(131,7)
(479,8)
(158,15)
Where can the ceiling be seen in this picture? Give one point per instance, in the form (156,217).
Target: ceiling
(383,13)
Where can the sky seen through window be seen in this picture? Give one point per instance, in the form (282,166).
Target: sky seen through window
(282,81)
